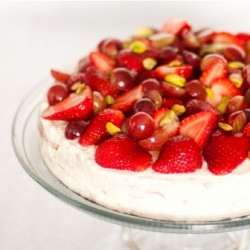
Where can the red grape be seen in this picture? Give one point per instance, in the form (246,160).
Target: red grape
(110,47)
(191,58)
(140,125)
(57,93)
(150,84)
(74,129)
(99,102)
(195,89)
(246,76)
(83,64)
(145,104)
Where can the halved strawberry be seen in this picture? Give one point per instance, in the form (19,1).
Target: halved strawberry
(175,26)
(126,100)
(73,107)
(221,88)
(123,153)
(60,76)
(246,130)
(216,69)
(101,61)
(166,126)
(96,131)
(97,80)
(183,70)
(178,155)
(199,126)
(226,37)
(224,152)
(243,37)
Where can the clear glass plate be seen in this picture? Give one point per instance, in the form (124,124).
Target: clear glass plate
(25,142)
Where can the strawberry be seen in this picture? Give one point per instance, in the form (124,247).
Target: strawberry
(126,100)
(224,152)
(60,76)
(199,126)
(216,69)
(220,88)
(243,37)
(133,61)
(175,26)
(183,70)
(101,61)
(246,130)
(166,126)
(96,131)
(225,37)
(168,102)
(179,154)
(97,80)
(73,107)
(123,153)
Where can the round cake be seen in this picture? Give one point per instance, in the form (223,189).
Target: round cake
(157,125)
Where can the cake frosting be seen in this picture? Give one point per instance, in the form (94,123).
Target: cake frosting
(180,99)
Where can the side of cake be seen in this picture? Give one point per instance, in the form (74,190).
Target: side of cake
(156,126)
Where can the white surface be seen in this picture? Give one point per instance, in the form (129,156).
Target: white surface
(35,37)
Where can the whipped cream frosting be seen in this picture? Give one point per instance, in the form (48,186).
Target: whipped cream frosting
(198,196)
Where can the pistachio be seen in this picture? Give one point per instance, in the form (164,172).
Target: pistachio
(112,129)
(175,80)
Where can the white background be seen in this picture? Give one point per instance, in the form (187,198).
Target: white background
(38,36)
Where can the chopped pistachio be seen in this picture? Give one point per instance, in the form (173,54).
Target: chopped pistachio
(144,32)
(109,99)
(112,129)
(149,63)
(167,118)
(179,109)
(225,126)
(175,80)
(210,93)
(77,87)
(161,40)
(138,47)
(236,79)
(175,63)
(222,106)
(236,65)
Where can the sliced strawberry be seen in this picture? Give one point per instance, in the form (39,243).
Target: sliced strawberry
(60,76)
(126,100)
(220,88)
(225,37)
(133,61)
(243,37)
(73,107)
(199,126)
(183,70)
(101,61)
(224,153)
(166,126)
(178,155)
(175,26)
(216,69)
(123,153)
(96,131)
(97,80)
(168,102)
(246,130)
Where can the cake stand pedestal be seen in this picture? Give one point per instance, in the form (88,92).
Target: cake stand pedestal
(138,233)
(147,240)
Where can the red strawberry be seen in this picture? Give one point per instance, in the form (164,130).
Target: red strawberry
(168,102)
(199,126)
(222,87)
(175,26)
(166,126)
(216,69)
(246,130)
(225,37)
(60,76)
(123,153)
(101,61)
(178,155)
(224,153)
(184,71)
(243,37)
(73,107)
(126,100)
(99,81)
(96,130)
(133,61)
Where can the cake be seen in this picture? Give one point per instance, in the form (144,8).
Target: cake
(155,126)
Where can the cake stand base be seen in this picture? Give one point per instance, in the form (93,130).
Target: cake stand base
(145,240)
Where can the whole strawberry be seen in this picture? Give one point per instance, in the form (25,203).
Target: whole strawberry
(178,155)
(123,153)
(224,152)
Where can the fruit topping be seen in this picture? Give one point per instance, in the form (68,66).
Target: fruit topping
(224,152)
(178,155)
(123,153)
(179,94)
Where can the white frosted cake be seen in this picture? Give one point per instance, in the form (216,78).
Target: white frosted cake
(156,126)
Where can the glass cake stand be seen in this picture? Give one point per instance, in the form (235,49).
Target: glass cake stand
(137,233)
